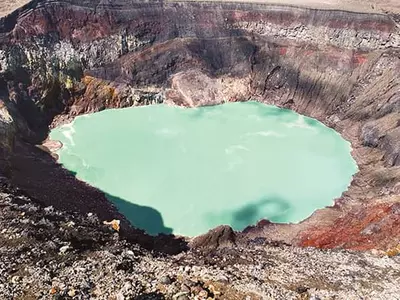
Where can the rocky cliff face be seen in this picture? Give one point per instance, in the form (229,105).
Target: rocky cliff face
(59,59)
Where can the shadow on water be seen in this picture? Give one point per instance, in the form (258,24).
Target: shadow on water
(275,112)
(311,121)
(48,183)
(142,217)
(204,111)
(273,208)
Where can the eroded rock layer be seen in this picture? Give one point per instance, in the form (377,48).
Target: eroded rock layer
(59,59)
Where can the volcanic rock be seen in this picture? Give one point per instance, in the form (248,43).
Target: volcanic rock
(335,61)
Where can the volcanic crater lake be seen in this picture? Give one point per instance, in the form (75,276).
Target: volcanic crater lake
(187,170)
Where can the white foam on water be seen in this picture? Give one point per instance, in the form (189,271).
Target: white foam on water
(266,133)
(69,132)
(234,148)
(300,123)
(85,164)
(167,132)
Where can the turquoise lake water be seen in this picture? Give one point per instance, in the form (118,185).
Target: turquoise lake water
(187,170)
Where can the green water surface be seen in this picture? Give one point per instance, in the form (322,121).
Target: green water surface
(186,170)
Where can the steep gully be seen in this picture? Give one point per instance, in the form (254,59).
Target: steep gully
(59,59)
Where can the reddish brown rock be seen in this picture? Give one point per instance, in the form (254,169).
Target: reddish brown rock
(362,228)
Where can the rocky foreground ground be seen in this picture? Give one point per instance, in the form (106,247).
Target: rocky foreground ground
(48,254)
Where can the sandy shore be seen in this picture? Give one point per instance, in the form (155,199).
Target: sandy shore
(53,146)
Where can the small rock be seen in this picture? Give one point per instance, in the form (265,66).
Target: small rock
(196,289)
(72,293)
(92,218)
(181,296)
(189,283)
(15,279)
(166,280)
(185,288)
(51,245)
(63,249)
(213,290)
(223,278)
(115,224)
(120,296)
(70,224)
(195,268)
(25,221)
(49,209)
(301,289)
(127,286)
(97,292)
(203,294)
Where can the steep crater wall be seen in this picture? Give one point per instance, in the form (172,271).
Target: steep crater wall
(59,59)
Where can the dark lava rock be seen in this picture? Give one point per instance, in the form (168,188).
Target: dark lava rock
(301,289)
(220,237)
